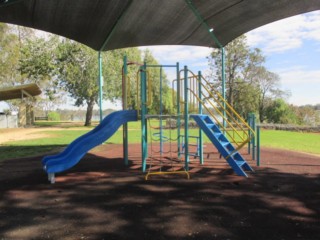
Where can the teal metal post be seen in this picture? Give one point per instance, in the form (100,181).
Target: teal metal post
(249,132)
(178,110)
(217,42)
(258,146)
(144,143)
(223,78)
(100,85)
(161,106)
(186,119)
(253,138)
(125,107)
(200,112)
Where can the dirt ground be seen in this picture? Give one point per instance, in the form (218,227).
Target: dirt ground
(16,134)
(100,198)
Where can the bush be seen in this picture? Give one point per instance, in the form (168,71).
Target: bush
(53,116)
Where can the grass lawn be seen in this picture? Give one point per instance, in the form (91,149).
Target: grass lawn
(296,141)
(55,140)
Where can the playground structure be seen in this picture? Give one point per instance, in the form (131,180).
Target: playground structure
(193,97)
(220,23)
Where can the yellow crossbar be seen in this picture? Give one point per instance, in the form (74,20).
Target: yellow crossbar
(167,172)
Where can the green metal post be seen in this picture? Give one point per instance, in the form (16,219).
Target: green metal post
(223,77)
(200,112)
(178,110)
(258,146)
(125,107)
(161,106)
(186,119)
(100,85)
(217,42)
(249,132)
(253,139)
(144,143)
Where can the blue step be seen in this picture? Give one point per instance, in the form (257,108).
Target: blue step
(223,145)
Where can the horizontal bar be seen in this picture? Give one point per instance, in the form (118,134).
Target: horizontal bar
(162,116)
(164,173)
(161,65)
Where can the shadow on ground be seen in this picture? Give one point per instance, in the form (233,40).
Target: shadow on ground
(102,199)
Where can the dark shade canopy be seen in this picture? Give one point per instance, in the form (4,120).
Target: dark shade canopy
(112,24)
(16,92)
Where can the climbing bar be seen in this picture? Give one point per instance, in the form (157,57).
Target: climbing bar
(167,173)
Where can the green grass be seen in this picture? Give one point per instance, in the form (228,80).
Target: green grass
(302,142)
(296,141)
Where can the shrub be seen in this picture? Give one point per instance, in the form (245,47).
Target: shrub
(53,116)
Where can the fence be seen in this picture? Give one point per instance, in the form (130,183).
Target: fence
(8,121)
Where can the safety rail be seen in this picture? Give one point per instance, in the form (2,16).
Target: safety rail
(232,125)
(138,84)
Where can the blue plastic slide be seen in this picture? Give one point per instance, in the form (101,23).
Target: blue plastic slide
(79,147)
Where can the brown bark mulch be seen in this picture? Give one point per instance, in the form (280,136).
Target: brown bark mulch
(100,198)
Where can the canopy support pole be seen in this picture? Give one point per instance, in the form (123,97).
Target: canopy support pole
(100,85)
(99,56)
(215,39)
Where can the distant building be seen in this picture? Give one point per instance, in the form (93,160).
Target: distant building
(8,121)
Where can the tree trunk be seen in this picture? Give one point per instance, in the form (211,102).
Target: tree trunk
(89,112)
(261,114)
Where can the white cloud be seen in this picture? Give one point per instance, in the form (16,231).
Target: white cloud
(303,84)
(184,54)
(296,75)
(286,34)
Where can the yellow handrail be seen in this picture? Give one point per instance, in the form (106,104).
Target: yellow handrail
(240,128)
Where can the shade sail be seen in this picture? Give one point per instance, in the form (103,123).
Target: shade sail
(112,24)
(16,92)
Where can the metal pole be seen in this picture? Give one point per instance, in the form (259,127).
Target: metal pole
(223,77)
(100,85)
(200,112)
(253,139)
(249,132)
(125,107)
(258,146)
(161,106)
(186,119)
(144,143)
(178,110)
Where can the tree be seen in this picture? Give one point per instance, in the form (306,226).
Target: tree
(280,112)
(9,56)
(78,74)
(307,114)
(267,83)
(112,71)
(12,40)
(249,85)
(61,64)
(37,65)
(237,54)
(154,74)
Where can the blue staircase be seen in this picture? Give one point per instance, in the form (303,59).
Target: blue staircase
(227,150)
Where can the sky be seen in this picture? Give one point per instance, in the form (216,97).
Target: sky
(291,47)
